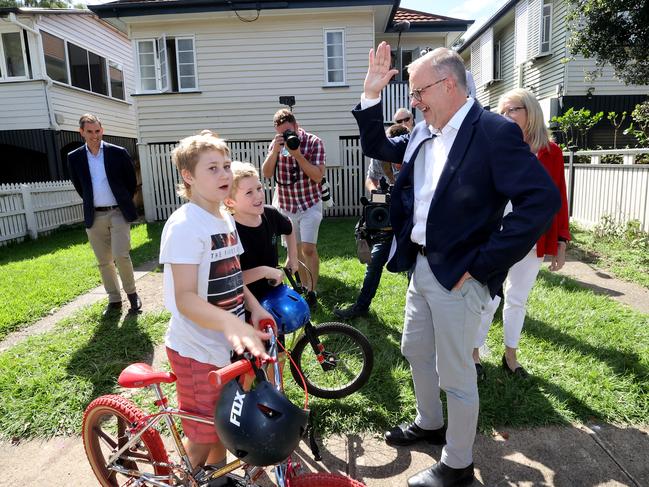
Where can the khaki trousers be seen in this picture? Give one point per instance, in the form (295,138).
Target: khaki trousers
(110,239)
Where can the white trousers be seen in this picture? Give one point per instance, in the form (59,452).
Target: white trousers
(519,283)
(438,336)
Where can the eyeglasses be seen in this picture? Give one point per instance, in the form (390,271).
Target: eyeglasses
(416,94)
(511,110)
(403,120)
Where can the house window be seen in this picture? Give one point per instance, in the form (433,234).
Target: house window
(78,61)
(116,77)
(407,57)
(497,61)
(546,29)
(87,70)
(13,57)
(70,64)
(54,50)
(167,64)
(335,57)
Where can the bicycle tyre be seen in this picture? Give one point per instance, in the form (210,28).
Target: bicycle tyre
(323,479)
(100,419)
(351,356)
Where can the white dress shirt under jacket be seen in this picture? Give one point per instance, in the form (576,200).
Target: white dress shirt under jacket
(102,194)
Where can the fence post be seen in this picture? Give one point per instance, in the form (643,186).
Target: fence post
(28,206)
(571,178)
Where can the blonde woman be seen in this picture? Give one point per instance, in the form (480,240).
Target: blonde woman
(521,107)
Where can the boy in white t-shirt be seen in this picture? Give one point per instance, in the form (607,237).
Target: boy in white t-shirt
(204,290)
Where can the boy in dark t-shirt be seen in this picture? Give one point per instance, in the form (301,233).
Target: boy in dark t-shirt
(259,227)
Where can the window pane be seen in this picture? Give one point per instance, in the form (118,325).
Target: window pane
(335,50)
(334,38)
(147,59)
(186,69)
(13,54)
(187,82)
(98,80)
(335,63)
(186,57)
(78,59)
(54,50)
(185,44)
(116,81)
(145,47)
(335,76)
(148,84)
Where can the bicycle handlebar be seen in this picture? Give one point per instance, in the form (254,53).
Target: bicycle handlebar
(224,375)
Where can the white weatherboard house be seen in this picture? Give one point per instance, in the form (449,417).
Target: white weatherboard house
(56,65)
(223,65)
(524,44)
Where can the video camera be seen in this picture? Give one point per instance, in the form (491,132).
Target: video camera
(376,209)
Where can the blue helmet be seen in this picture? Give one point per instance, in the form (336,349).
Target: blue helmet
(288,308)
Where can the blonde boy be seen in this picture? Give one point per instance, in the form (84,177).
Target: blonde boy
(259,227)
(203,288)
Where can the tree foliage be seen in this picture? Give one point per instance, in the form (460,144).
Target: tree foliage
(614,32)
(575,125)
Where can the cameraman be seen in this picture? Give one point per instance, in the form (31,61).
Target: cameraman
(298,171)
(380,240)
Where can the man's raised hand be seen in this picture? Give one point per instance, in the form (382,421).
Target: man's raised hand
(379,73)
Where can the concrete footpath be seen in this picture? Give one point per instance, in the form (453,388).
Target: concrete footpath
(580,455)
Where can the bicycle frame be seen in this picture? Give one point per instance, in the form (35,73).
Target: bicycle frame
(167,414)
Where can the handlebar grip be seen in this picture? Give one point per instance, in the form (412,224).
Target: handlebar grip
(222,376)
(266,323)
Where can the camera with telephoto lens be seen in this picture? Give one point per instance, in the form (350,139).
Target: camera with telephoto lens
(376,209)
(291,139)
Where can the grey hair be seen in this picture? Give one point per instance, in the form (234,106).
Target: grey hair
(445,62)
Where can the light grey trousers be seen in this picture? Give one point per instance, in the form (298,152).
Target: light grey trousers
(110,239)
(438,338)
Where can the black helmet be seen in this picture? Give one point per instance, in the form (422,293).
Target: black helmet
(261,427)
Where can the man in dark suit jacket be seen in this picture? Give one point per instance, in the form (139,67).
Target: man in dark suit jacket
(461,166)
(104,176)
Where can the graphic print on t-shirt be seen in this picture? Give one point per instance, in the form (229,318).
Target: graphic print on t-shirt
(225,281)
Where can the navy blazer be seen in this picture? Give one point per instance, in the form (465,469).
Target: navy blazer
(488,165)
(120,172)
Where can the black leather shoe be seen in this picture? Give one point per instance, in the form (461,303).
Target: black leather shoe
(404,435)
(350,312)
(136,302)
(518,371)
(441,475)
(112,308)
(481,372)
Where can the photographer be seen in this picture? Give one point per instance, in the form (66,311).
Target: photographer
(380,240)
(296,160)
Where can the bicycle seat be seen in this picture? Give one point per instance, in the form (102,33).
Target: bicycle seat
(142,375)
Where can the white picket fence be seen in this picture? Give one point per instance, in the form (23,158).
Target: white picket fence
(620,191)
(160,177)
(34,208)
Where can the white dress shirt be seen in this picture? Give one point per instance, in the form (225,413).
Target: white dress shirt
(102,194)
(433,154)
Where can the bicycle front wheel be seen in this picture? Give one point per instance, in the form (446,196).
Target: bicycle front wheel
(323,479)
(338,366)
(106,428)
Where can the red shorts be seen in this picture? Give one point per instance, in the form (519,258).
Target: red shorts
(195,395)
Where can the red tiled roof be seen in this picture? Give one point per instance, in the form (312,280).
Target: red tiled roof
(418,16)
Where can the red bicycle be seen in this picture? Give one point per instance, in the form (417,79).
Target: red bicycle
(124,445)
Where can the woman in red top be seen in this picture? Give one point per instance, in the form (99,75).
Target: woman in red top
(522,107)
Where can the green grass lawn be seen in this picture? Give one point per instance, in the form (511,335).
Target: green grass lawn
(40,275)
(588,356)
(626,260)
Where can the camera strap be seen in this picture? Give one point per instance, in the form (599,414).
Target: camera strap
(277,180)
